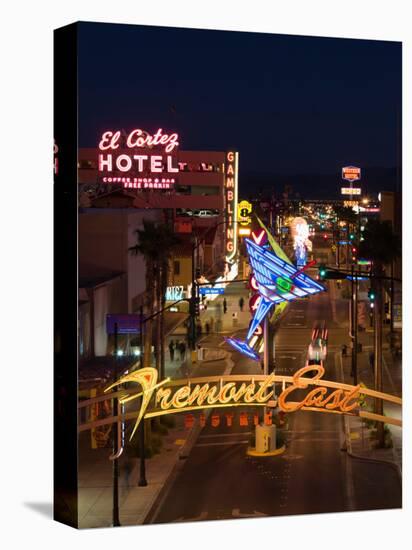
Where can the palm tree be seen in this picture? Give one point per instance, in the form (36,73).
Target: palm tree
(148,248)
(382,246)
(155,242)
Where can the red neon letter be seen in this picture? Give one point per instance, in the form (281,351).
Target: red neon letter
(140,159)
(123,163)
(171,168)
(109,140)
(105,162)
(156,163)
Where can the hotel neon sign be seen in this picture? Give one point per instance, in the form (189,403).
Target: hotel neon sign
(175,396)
(231,176)
(136,169)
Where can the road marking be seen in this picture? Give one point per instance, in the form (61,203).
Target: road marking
(389,376)
(349,485)
(222,443)
(225,435)
(237,514)
(202,515)
(310,439)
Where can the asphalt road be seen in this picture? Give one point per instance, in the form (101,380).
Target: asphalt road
(218,480)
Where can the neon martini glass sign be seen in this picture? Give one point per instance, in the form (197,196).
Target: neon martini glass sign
(277,281)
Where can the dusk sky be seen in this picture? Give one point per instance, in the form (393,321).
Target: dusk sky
(289,104)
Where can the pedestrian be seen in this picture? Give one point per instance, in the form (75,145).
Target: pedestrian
(128,467)
(182,349)
(212,323)
(241,303)
(207,328)
(344,350)
(372,360)
(172,350)
(224,305)
(199,330)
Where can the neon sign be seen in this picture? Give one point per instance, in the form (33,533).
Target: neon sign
(301,241)
(175,396)
(351,173)
(120,155)
(244,208)
(277,280)
(139,138)
(350,190)
(231,175)
(174,293)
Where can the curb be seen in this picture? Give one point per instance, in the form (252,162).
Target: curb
(252,452)
(348,444)
(367,459)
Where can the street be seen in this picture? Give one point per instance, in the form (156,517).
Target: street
(218,480)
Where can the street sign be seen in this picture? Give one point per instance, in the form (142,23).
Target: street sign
(351,173)
(350,190)
(343,242)
(211,290)
(127,323)
(174,293)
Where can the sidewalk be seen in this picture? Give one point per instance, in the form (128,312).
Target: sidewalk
(135,503)
(359,436)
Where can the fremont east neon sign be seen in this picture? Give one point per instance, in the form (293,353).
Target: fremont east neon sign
(305,390)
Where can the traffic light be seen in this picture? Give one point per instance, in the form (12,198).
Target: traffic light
(322,271)
(354,251)
(197,306)
(371,295)
(351,236)
(387,307)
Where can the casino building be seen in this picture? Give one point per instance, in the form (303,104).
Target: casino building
(197,189)
(129,178)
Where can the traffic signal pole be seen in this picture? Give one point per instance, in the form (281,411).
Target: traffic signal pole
(354,334)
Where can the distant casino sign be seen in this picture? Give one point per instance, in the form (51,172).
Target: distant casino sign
(350,190)
(351,173)
(138,159)
(244,208)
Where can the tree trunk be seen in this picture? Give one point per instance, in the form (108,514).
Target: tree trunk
(150,295)
(158,327)
(163,283)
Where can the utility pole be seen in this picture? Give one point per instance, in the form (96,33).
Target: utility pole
(192,307)
(378,358)
(267,350)
(142,480)
(355,333)
(115,430)
(392,299)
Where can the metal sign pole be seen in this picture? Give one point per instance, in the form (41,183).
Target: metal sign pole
(142,480)
(115,429)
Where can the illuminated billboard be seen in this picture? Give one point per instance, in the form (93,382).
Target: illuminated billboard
(231,179)
(351,173)
(138,159)
(350,190)
(244,209)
